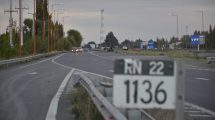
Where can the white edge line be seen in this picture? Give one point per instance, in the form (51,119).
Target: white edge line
(200,108)
(201,69)
(52,111)
(53,60)
(34,63)
(100,56)
(203,79)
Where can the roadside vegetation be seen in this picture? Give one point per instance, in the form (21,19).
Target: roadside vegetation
(83,107)
(49,35)
(169,53)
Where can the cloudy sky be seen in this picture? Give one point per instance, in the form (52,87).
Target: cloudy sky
(127,19)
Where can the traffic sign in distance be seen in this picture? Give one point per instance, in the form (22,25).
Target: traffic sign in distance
(144,84)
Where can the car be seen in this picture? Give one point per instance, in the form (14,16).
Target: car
(124,47)
(77,50)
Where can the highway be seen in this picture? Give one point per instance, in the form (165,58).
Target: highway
(26,90)
(199,81)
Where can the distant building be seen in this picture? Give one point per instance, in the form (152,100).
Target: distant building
(143,44)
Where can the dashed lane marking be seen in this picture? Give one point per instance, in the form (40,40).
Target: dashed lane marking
(205,79)
(33,73)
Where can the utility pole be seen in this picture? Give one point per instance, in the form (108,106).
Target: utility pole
(34,28)
(63,25)
(35,45)
(176,25)
(202,20)
(202,13)
(11,23)
(56,23)
(58,31)
(53,32)
(102,27)
(43,23)
(186,35)
(48,26)
(20,27)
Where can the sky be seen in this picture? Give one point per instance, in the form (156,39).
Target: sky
(127,19)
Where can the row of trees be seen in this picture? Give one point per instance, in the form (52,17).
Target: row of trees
(49,35)
(209,39)
(184,42)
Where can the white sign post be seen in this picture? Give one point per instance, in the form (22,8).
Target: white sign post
(144,84)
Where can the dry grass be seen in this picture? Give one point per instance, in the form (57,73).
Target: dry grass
(83,107)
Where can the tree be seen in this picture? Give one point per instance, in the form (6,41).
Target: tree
(173,40)
(6,51)
(161,43)
(137,43)
(127,43)
(185,41)
(76,35)
(111,40)
(28,23)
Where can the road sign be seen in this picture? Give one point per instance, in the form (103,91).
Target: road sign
(144,84)
(197,40)
(151,44)
(194,39)
(201,39)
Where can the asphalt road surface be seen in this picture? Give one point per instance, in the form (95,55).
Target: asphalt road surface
(199,81)
(26,90)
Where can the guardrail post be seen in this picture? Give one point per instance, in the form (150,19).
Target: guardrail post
(180,93)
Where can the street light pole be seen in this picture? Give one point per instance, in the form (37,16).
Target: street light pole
(63,24)
(54,26)
(202,13)
(177,24)
(53,41)
(58,30)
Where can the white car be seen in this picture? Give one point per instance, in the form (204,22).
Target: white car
(124,47)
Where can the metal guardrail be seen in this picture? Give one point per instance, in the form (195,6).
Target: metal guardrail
(105,107)
(108,110)
(210,60)
(24,59)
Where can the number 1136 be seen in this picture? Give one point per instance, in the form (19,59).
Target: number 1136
(153,94)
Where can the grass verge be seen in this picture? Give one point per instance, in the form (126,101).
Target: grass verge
(83,107)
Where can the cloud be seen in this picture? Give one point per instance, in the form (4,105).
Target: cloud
(132,19)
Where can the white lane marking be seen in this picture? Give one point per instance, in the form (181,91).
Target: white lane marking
(201,69)
(196,115)
(203,79)
(100,56)
(34,63)
(52,111)
(200,108)
(53,60)
(33,73)
(96,74)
